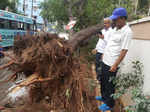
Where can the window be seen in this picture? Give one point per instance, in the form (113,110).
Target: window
(5,24)
(26,6)
(8,24)
(13,25)
(26,26)
(1,23)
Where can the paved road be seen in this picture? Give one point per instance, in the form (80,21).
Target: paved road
(4,74)
(5,87)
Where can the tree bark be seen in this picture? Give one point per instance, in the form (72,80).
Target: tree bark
(84,34)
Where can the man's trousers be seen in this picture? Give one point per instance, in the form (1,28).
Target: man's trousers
(107,85)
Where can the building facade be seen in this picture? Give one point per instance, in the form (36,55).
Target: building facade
(140,50)
(31,8)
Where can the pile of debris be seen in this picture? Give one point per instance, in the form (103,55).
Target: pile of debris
(52,73)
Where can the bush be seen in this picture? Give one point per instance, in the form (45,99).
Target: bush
(132,83)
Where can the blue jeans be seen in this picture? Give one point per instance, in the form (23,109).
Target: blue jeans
(98,65)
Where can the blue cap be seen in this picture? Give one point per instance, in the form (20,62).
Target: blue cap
(118,12)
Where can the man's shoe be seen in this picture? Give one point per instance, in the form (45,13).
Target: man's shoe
(99,98)
(104,107)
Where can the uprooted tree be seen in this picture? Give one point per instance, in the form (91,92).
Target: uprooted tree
(49,63)
(52,70)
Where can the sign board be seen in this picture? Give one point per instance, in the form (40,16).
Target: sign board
(70,25)
(15,17)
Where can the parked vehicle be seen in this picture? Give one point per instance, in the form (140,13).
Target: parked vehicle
(12,24)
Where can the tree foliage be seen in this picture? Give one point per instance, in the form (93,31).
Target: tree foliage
(87,12)
(143,6)
(11,4)
(132,83)
(90,12)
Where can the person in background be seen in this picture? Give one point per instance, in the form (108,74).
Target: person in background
(115,51)
(1,48)
(101,44)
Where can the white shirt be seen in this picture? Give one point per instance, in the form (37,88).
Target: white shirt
(101,44)
(119,40)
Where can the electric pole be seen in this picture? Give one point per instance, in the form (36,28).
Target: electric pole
(32,9)
(24,7)
(136,6)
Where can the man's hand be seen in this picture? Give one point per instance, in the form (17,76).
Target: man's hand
(118,61)
(101,36)
(94,51)
(113,68)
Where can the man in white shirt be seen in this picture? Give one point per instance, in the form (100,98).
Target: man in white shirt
(101,44)
(114,53)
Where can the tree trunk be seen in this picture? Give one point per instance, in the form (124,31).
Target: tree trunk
(82,35)
(136,6)
(149,11)
(119,3)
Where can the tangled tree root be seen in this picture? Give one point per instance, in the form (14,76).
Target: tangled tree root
(58,74)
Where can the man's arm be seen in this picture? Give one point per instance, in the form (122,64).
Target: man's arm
(94,51)
(124,46)
(118,61)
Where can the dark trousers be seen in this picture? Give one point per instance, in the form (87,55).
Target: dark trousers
(107,85)
(98,65)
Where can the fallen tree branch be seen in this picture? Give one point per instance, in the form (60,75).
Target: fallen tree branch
(28,80)
(36,81)
(6,54)
(7,65)
(12,77)
(84,34)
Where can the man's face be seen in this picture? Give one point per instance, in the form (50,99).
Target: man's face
(119,22)
(106,24)
(113,24)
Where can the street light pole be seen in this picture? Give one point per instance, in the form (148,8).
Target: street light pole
(24,7)
(32,9)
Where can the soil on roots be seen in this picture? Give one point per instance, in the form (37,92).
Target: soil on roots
(52,58)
